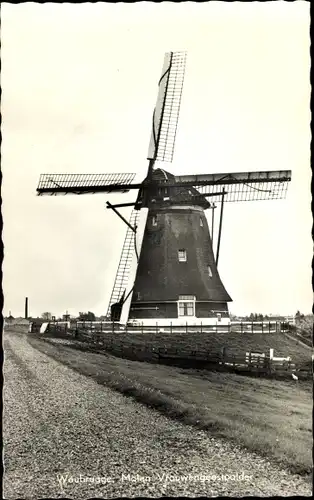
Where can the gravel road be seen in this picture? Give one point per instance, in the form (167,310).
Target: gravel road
(67,436)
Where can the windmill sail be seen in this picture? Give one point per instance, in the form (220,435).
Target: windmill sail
(123,271)
(166,113)
(240,186)
(138,242)
(54,184)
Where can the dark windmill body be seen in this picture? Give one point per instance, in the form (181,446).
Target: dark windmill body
(167,270)
(177,278)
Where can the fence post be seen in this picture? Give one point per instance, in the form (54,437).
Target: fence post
(113,326)
(170,327)
(252,327)
(186,327)
(267,365)
(268,326)
(156,327)
(241,327)
(262,326)
(223,354)
(101,327)
(142,327)
(201,327)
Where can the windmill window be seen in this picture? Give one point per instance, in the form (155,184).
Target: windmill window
(210,274)
(201,222)
(154,220)
(186,308)
(182,255)
(186,305)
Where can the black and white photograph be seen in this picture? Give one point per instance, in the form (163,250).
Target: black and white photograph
(157,280)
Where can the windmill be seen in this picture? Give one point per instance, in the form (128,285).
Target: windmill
(168,269)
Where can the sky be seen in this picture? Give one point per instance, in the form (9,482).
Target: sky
(79,84)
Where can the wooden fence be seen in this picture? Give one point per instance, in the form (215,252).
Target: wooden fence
(119,345)
(235,326)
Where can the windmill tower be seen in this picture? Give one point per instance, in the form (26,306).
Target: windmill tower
(167,269)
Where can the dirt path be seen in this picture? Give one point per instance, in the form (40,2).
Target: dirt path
(67,436)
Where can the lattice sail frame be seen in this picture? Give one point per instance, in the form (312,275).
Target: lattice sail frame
(166,113)
(244,192)
(240,186)
(123,271)
(54,184)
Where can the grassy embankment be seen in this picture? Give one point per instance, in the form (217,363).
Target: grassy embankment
(236,343)
(269,417)
(303,329)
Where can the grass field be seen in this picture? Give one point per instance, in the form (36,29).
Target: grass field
(270,417)
(235,342)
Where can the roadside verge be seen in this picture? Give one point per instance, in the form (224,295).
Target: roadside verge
(269,417)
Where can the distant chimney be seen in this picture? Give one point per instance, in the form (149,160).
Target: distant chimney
(26,307)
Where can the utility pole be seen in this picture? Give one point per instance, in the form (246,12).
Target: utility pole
(26,307)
